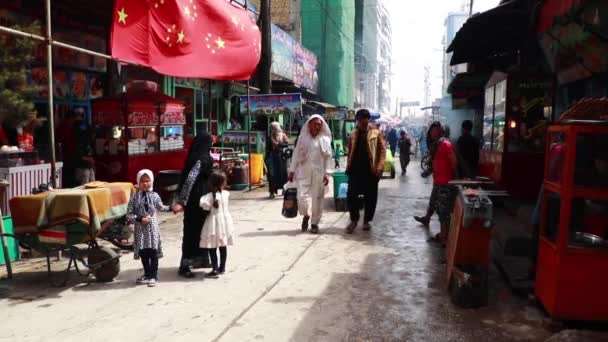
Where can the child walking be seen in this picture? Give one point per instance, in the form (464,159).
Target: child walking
(337,155)
(141,217)
(218,228)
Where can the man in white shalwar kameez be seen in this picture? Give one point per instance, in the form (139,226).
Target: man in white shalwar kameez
(310,168)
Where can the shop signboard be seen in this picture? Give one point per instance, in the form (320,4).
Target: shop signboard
(282,53)
(290,60)
(305,68)
(273,104)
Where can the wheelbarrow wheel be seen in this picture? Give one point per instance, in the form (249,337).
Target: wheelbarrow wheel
(104,263)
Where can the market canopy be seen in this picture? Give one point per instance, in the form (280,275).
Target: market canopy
(496,32)
(213,39)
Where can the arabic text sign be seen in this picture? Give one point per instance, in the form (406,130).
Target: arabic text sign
(273,104)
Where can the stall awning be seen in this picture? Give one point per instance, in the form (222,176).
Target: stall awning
(321,105)
(495,32)
(468,84)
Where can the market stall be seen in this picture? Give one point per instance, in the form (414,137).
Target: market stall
(134,131)
(518,108)
(23,171)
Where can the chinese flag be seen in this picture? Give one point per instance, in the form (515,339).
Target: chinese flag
(211,39)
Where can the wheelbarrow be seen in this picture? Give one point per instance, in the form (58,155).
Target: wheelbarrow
(72,221)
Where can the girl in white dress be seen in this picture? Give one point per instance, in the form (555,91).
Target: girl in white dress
(218,228)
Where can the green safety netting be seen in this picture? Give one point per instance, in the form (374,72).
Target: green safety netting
(328,29)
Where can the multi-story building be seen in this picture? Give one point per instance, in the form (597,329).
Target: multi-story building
(453,23)
(452,110)
(286,14)
(373,51)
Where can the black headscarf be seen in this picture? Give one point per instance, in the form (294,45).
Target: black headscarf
(199,150)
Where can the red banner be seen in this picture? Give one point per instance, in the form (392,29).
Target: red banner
(212,39)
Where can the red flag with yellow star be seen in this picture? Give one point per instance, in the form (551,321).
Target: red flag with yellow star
(211,39)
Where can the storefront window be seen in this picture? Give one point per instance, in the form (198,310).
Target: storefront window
(531,112)
(142,140)
(171,138)
(591,167)
(499,116)
(488,118)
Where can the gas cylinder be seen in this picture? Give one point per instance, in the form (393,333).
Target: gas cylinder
(239,178)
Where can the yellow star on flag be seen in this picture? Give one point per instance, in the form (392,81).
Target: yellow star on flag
(187,11)
(122,16)
(180,37)
(220,43)
(235,21)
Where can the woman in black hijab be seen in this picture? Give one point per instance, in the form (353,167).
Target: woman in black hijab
(192,186)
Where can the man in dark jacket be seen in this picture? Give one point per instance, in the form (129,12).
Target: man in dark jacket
(366,157)
(467,148)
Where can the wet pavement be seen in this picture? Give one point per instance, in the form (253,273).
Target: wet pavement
(282,285)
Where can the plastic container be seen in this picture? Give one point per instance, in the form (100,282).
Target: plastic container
(339,178)
(13,246)
(257,168)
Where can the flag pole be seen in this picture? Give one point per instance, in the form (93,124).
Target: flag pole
(249,131)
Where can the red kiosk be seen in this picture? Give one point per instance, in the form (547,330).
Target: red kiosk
(134,131)
(571,279)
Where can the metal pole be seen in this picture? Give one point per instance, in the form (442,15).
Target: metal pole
(471,8)
(51,113)
(249,131)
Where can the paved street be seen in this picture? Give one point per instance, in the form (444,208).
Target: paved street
(281,285)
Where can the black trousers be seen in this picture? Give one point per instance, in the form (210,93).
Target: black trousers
(149,259)
(194,218)
(223,256)
(366,186)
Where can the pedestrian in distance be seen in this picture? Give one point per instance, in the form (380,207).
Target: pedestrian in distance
(366,157)
(142,219)
(393,140)
(310,169)
(337,155)
(443,194)
(277,166)
(405,146)
(192,186)
(467,148)
(218,230)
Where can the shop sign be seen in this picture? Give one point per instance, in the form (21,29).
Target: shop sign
(292,61)
(273,104)
(240,138)
(173,118)
(282,53)
(142,114)
(305,68)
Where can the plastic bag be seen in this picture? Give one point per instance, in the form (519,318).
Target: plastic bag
(290,201)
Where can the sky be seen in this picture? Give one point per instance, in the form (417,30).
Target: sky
(418,30)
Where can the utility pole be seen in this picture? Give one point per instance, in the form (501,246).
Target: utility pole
(266,59)
(427,89)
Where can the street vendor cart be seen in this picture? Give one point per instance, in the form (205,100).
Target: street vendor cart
(71,221)
(138,130)
(571,279)
(468,247)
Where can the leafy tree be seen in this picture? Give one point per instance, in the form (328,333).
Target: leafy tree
(16,94)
